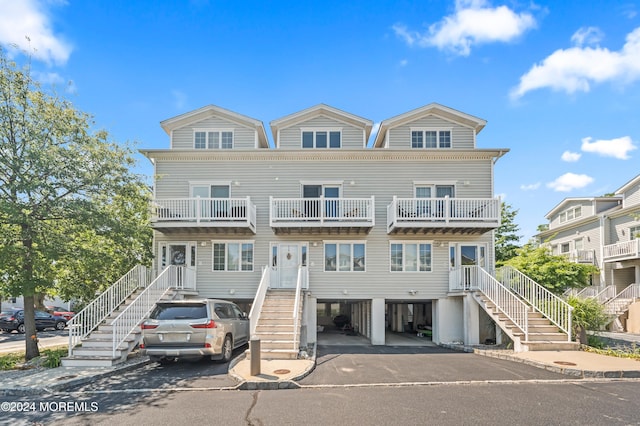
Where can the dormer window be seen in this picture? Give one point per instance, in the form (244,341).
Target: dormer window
(213,139)
(430,138)
(571,214)
(329,138)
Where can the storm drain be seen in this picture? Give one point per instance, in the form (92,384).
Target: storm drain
(282,371)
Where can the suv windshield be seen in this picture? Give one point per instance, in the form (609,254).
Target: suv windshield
(181,311)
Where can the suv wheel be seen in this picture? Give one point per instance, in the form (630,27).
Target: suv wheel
(21,328)
(227,350)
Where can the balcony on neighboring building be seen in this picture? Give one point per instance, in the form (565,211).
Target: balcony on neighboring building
(627,250)
(196,214)
(581,256)
(322,215)
(443,215)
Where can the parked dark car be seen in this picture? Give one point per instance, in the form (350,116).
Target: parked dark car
(14,320)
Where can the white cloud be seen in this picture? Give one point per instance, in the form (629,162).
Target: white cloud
(587,36)
(25,24)
(570,157)
(474,22)
(530,187)
(576,68)
(403,63)
(570,181)
(617,148)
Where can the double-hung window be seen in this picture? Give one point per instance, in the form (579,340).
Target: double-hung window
(344,257)
(430,138)
(232,256)
(329,138)
(410,256)
(571,214)
(634,232)
(213,139)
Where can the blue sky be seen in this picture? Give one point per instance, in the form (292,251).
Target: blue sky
(558,82)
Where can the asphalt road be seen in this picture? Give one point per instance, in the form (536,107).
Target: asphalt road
(14,341)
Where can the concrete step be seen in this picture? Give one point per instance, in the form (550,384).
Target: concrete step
(105,341)
(274,335)
(551,346)
(268,345)
(275,321)
(96,352)
(277,354)
(268,328)
(89,361)
(547,337)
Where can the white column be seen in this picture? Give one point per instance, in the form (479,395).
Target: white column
(377,321)
(637,281)
(312,319)
(471,317)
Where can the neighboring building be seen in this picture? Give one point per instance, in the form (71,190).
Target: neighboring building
(381,231)
(603,231)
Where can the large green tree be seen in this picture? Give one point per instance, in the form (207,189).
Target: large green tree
(72,213)
(506,236)
(556,273)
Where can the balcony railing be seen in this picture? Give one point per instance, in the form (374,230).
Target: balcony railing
(622,251)
(322,212)
(580,256)
(206,212)
(443,212)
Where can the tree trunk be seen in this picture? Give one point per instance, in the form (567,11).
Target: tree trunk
(39,301)
(28,293)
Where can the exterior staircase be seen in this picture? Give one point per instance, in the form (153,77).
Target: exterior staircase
(531,316)
(618,305)
(108,329)
(542,334)
(278,327)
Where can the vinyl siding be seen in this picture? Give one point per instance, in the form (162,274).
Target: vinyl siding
(588,232)
(587,210)
(243,137)
(260,178)
(352,137)
(632,196)
(619,228)
(461,137)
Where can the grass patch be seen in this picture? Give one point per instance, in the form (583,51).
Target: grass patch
(632,353)
(49,358)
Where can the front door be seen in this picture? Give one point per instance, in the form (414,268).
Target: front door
(467,256)
(286,260)
(180,254)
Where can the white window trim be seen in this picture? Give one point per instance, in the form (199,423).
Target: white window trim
(431,129)
(207,130)
(323,184)
(226,242)
(565,213)
(209,183)
(337,242)
(433,187)
(403,242)
(320,129)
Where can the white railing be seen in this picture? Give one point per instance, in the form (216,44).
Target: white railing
(607,293)
(173,277)
(258,301)
(542,300)
(443,210)
(580,256)
(199,210)
(624,250)
(300,283)
(85,321)
(622,300)
(590,291)
(504,299)
(322,211)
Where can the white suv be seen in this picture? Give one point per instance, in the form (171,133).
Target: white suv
(194,328)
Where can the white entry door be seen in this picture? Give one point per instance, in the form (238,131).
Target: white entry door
(286,260)
(466,255)
(180,254)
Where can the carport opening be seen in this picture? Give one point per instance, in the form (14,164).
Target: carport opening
(410,318)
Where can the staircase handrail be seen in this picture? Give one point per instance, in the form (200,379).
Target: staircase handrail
(123,325)
(555,309)
(631,293)
(258,301)
(503,298)
(88,319)
(609,292)
(588,292)
(296,306)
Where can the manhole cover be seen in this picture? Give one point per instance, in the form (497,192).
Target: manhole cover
(282,371)
(564,363)
(73,376)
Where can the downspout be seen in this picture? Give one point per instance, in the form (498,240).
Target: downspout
(603,242)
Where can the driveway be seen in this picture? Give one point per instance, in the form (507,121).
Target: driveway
(356,365)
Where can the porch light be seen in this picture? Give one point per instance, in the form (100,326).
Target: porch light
(232,291)
(345,291)
(203,243)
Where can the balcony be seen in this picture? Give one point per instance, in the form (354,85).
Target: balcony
(211,214)
(581,256)
(627,250)
(316,215)
(443,215)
